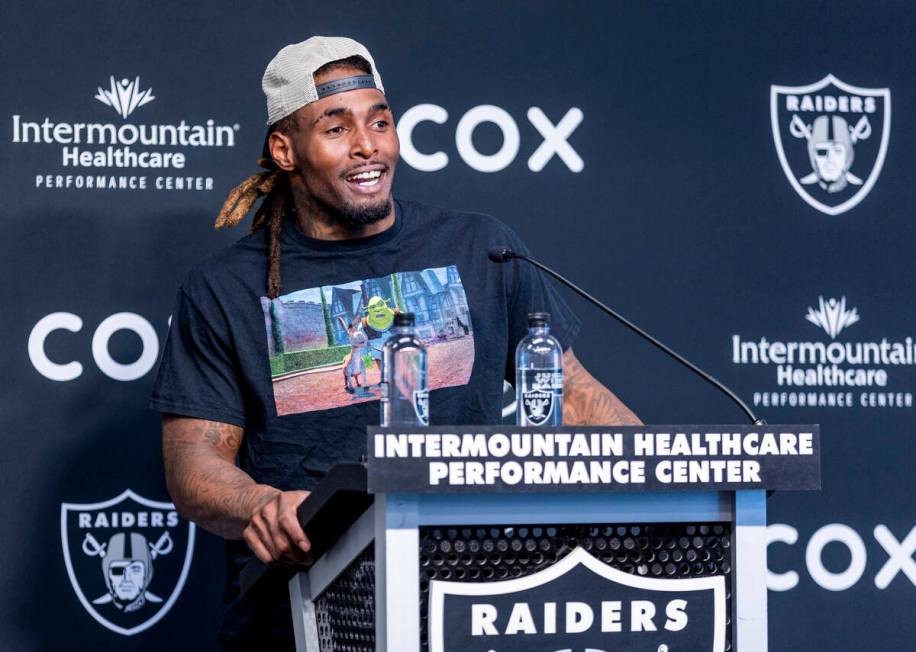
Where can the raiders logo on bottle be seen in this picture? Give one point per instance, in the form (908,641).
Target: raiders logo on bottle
(539,391)
(421,405)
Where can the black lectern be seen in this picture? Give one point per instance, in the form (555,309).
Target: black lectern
(505,538)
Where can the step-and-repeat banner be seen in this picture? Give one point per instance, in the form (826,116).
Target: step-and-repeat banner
(739,179)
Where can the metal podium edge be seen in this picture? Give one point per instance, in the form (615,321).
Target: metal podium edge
(306,586)
(348,547)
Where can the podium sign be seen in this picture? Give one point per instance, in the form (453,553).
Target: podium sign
(496,459)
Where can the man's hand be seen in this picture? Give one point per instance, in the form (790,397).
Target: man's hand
(273,533)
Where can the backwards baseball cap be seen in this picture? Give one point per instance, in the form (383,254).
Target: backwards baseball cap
(289,81)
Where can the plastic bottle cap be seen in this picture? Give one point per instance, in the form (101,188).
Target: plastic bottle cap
(538,319)
(404,319)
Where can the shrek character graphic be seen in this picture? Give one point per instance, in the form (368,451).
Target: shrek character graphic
(377,324)
(379,317)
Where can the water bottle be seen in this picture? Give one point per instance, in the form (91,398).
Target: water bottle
(539,375)
(405,397)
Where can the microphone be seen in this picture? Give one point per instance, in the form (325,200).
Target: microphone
(503,254)
(500,254)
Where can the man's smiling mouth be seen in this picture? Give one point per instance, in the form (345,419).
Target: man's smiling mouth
(365,178)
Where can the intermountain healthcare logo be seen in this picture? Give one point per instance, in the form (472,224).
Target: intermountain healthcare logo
(831,139)
(117,156)
(125,96)
(127,558)
(578,603)
(833,374)
(832,316)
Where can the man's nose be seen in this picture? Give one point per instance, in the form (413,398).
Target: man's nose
(363,144)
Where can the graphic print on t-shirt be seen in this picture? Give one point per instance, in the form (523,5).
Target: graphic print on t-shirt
(325,343)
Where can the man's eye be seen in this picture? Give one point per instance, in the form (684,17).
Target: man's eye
(381,123)
(335,130)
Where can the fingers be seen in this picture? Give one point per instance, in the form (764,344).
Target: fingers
(274,533)
(258,548)
(288,520)
(258,536)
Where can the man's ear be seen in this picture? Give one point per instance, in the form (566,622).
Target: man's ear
(281,151)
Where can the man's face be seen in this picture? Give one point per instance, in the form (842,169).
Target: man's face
(830,158)
(345,152)
(127,578)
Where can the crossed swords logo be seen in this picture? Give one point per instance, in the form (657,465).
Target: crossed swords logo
(163,546)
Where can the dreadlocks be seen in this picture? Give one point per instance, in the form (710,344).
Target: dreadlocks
(273,185)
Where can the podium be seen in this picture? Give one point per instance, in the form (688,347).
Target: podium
(503,539)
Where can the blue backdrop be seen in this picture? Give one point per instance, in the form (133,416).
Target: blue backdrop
(737,178)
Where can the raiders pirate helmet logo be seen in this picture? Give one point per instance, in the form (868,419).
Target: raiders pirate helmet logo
(127,558)
(421,405)
(831,139)
(127,566)
(537,406)
(538,391)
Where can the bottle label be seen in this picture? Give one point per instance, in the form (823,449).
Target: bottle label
(421,405)
(541,389)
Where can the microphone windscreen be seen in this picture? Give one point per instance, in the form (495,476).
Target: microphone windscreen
(500,254)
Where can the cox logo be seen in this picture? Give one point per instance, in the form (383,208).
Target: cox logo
(64,371)
(899,556)
(555,138)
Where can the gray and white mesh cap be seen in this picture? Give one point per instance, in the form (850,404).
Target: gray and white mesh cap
(289,82)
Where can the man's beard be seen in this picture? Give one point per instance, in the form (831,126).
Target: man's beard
(352,216)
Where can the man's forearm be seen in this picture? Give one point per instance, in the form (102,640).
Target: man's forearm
(586,401)
(203,480)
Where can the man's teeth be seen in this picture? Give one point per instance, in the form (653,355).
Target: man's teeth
(369,178)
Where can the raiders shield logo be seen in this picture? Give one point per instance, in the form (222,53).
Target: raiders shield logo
(127,559)
(831,139)
(578,603)
(421,405)
(537,406)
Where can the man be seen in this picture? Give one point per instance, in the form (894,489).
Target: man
(256,378)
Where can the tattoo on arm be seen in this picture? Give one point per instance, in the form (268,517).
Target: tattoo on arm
(203,480)
(586,401)
(223,434)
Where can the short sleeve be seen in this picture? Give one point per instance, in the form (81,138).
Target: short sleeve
(198,372)
(532,291)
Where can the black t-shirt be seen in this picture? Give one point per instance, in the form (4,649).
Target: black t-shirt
(300,372)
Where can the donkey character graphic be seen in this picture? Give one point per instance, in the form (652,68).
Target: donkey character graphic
(355,362)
